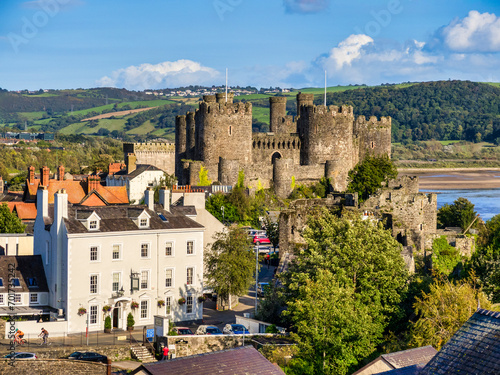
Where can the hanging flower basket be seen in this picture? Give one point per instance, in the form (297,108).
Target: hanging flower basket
(161,303)
(202,299)
(134,305)
(82,311)
(182,301)
(106,308)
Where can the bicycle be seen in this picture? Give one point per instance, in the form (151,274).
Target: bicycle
(20,341)
(46,341)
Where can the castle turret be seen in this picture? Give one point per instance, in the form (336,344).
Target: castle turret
(277,106)
(180,145)
(221,97)
(190,136)
(304,100)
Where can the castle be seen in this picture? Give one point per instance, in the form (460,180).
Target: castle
(319,142)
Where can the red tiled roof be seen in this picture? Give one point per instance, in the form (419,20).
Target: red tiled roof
(25,211)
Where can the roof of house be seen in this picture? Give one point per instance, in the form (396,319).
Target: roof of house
(410,357)
(25,267)
(409,370)
(473,349)
(404,358)
(121,218)
(24,211)
(78,191)
(140,168)
(238,361)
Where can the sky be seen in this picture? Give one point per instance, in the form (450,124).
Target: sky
(151,44)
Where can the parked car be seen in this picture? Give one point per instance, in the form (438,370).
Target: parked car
(235,329)
(21,355)
(183,330)
(88,356)
(261,288)
(208,330)
(261,239)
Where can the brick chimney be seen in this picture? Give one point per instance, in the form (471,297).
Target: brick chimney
(92,183)
(45,176)
(131,160)
(31,175)
(60,173)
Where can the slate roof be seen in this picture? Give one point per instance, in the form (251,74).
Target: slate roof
(120,218)
(410,357)
(25,267)
(140,168)
(474,349)
(409,370)
(238,361)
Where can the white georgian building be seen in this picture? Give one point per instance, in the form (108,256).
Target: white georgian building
(116,255)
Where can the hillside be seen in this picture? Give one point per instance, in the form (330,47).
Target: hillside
(443,110)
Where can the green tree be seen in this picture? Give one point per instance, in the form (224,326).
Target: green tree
(9,222)
(459,214)
(203,176)
(369,276)
(334,328)
(367,177)
(445,258)
(219,206)
(485,264)
(493,231)
(443,310)
(230,263)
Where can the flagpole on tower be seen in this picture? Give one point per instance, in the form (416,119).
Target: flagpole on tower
(325,88)
(226,85)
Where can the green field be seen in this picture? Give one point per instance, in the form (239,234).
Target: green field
(44,95)
(133,105)
(445,143)
(31,116)
(261,114)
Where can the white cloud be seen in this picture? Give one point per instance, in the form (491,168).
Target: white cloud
(478,32)
(346,52)
(305,6)
(165,74)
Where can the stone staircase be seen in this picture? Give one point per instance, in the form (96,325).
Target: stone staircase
(142,353)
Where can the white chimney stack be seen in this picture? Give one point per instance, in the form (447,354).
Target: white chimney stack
(165,198)
(42,201)
(149,198)
(60,205)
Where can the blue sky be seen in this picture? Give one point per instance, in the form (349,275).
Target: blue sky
(289,43)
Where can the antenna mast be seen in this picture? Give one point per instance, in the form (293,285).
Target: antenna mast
(226,85)
(325,88)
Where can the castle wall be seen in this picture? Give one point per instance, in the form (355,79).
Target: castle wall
(267,145)
(225,131)
(286,175)
(190,136)
(161,155)
(374,136)
(180,147)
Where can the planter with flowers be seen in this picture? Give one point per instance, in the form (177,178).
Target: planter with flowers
(82,311)
(134,305)
(202,299)
(106,309)
(161,303)
(182,301)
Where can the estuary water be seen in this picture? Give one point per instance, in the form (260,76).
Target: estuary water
(486,201)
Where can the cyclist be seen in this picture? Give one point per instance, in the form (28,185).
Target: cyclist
(44,335)
(18,337)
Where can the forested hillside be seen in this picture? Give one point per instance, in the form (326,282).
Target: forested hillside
(443,110)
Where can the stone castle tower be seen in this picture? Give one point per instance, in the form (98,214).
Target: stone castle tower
(320,142)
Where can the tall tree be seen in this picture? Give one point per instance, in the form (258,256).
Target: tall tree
(272,230)
(9,222)
(367,177)
(443,310)
(459,214)
(230,263)
(368,276)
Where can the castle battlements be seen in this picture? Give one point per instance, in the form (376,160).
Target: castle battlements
(319,142)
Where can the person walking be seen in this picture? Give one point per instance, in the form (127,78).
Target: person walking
(165,353)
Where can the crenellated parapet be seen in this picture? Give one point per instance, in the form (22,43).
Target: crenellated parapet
(374,136)
(149,146)
(215,108)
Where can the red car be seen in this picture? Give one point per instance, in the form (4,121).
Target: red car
(261,239)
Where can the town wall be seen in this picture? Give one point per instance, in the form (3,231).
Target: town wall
(53,367)
(161,155)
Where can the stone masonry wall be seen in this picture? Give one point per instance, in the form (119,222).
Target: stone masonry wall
(161,155)
(53,367)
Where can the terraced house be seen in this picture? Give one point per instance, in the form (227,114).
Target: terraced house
(138,259)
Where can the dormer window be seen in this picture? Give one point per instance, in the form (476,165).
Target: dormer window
(15,282)
(143,223)
(32,282)
(89,219)
(93,225)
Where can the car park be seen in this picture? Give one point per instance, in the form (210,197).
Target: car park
(183,330)
(261,239)
(88,356)
(235,329)
(21,356)
(208,330)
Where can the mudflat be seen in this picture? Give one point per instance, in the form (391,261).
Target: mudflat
(455,178)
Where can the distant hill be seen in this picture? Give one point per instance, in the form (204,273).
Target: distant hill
(442,110)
